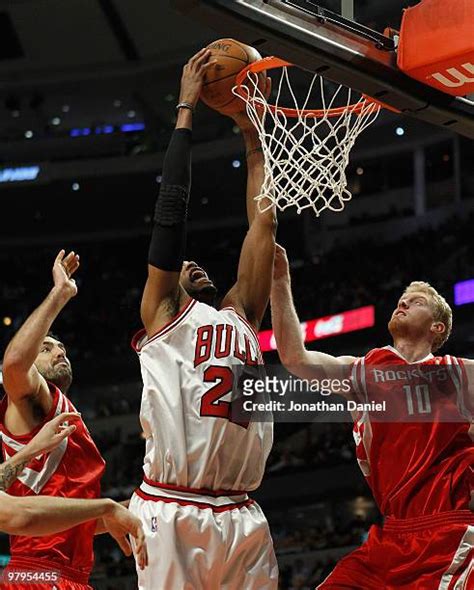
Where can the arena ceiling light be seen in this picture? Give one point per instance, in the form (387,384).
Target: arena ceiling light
(19,174)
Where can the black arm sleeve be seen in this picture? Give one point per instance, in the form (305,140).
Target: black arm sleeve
(168,240)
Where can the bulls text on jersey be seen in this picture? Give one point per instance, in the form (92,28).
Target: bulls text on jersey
(222,341)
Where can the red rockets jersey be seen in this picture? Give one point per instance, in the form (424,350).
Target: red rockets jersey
(417,455)
(73,470)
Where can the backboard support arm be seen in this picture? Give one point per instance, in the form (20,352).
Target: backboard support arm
(347,9)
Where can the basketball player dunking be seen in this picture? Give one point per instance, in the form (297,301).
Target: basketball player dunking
(36,376)
(202,529)
(419,469)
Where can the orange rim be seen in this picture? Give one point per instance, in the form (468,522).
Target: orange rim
(272,63)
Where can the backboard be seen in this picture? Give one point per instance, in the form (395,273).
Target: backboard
(333,44)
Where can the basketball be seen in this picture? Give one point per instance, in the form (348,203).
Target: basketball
(232,57)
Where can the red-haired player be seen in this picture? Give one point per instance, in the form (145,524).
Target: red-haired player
(417,458)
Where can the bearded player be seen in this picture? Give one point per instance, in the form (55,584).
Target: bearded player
(418,462)
(36,377)
(203,531)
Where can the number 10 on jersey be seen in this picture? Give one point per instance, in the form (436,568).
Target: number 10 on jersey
(418,399)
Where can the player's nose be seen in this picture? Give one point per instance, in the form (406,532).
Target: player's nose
(59,354)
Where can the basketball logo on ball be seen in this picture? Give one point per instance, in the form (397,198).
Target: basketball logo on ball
(231,57)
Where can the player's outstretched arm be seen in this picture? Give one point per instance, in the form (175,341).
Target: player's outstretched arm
(47,439)
(119,524)
(21,379)
(307,364)
(43,515)
(162,293)
(251,292)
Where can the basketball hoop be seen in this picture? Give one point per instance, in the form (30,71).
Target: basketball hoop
(306,151)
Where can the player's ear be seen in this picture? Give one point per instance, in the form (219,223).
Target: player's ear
(438,327)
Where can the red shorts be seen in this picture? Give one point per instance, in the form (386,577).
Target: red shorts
(427,553)
(29,574)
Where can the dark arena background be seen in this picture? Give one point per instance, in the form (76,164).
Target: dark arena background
(87,106)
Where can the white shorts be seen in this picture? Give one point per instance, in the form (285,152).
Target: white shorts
(198,542)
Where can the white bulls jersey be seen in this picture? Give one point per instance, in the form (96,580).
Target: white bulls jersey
(185,411)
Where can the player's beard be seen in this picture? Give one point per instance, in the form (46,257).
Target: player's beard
(396,329)
(205,295)
(59,375)
(403,329)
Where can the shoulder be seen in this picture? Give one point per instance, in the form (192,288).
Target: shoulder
(449,359)
(378,354)
(239,318)
(190,308)
(227,310)
(232,302)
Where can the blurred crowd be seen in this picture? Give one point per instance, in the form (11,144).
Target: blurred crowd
(368,273)
(98,324)
(108,407)
(325,448)
(301,575)
(288,539)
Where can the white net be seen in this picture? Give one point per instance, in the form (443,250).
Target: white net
(306,154)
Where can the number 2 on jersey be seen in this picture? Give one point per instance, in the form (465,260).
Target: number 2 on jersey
(211,402)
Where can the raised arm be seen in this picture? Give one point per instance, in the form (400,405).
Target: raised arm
(251,292)
(21,378)
(163,295)
(304,363)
